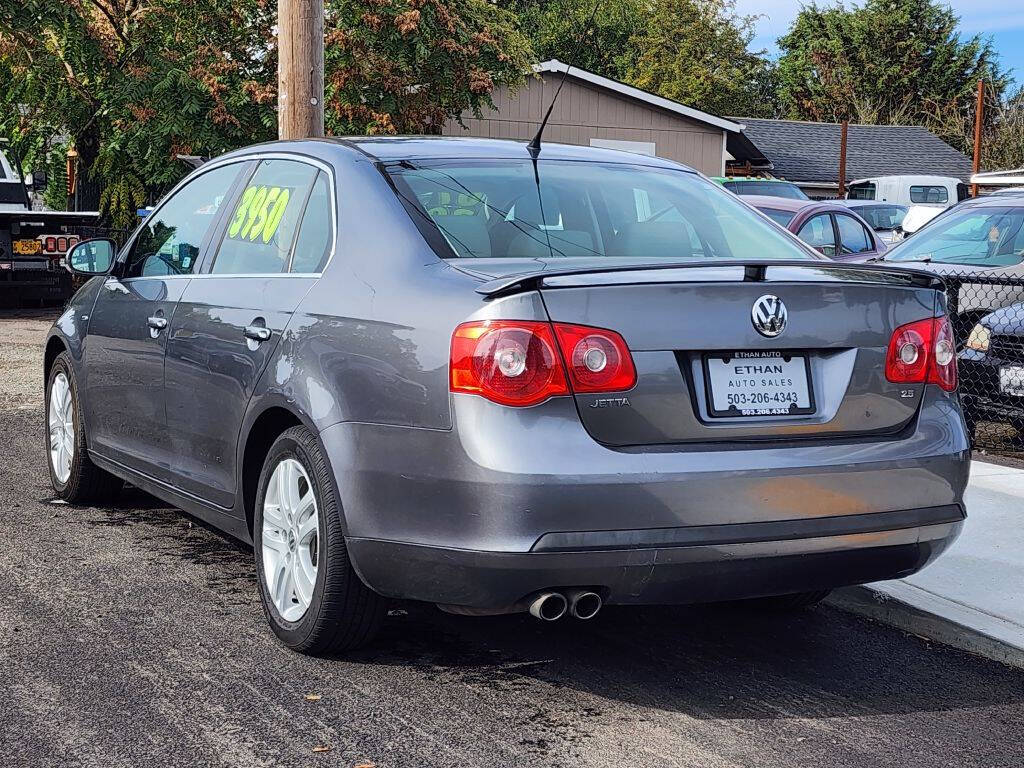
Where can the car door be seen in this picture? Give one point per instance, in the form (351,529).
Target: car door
(856,242)
(124,348)
(268,252)
(819,233)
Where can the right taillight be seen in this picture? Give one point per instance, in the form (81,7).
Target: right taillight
(923,352)
(522,363)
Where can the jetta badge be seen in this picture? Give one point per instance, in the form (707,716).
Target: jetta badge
(769,316)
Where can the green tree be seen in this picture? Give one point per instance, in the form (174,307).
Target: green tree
(132,83)
(562,29)
(406,66)
(888,61)
(697,52)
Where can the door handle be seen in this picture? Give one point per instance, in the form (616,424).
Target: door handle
(257,333)
(157,323)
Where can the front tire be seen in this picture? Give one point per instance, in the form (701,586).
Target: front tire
(312,597)
(73,475)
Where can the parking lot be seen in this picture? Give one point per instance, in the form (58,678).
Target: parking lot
(134,634)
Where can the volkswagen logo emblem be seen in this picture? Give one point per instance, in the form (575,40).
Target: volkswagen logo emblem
(769,316)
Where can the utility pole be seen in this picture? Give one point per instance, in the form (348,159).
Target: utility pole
(978,116)
(842,158)
(300,69)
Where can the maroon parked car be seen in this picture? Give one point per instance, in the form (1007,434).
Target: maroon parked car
(831,227)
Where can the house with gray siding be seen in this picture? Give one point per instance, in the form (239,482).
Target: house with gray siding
(600,112)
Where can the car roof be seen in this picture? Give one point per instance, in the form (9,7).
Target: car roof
(756,178)
(865,203)
(781,203)
(991,201)
(388,148)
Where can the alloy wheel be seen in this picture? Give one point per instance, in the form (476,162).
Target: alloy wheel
(290,539)
(61,424)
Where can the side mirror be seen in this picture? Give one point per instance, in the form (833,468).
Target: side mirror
(92,257)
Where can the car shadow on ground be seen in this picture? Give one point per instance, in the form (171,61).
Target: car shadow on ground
(709,662)
(732,661)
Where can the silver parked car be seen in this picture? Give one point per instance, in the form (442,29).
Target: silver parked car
(499,379)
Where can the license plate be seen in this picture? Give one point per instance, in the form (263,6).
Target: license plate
(758,384)
(27,247)
(1011,380)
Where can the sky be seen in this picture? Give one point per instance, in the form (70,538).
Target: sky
(1002,20)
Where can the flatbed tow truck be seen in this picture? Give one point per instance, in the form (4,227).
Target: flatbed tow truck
(33,245)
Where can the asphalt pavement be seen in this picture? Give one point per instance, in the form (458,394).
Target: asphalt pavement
(131,635)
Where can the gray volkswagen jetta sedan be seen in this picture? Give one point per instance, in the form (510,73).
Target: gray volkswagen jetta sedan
(495,379)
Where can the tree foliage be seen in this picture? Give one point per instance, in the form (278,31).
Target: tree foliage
(696,52)
(406,66)
(562,29)
(888,61)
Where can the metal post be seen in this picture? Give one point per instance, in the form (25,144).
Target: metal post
(842,159)
(978,116)
(300,69)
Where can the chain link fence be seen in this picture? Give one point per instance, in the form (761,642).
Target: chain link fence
(987,309)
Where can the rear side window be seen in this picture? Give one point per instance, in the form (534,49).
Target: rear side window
(170,240)
(262,226)
(312,247)
(853,237)
(924,194)
(817,232)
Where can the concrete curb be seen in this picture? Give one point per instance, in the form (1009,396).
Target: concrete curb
(923,613)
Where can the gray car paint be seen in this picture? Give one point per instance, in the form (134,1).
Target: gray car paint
(360,356)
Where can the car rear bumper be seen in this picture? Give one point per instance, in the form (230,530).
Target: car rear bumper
(670,573)
(514,500)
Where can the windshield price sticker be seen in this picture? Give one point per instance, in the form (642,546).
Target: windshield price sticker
(259,213)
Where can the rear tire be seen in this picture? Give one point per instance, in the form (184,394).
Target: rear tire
(313,599)
(73,475)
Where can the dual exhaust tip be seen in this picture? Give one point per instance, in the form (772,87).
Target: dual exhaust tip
(578,603)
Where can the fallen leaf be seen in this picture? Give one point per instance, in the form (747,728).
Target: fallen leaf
(313,697)
(322,748)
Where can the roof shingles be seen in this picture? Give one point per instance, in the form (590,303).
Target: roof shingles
(809,152)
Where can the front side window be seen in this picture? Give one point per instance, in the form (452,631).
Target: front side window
(992,237)
(817,232)
(853,237)
(565,209)
(925,194)
(259,238)
(170,241)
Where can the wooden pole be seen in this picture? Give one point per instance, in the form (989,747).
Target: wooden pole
(842,158)
(978,116)
(300,69)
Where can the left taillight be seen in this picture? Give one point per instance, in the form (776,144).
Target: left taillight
(923,352)
(522,363)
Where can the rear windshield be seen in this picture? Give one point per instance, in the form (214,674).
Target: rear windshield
(882,216)
(769,188)
(552,208)
(778,215)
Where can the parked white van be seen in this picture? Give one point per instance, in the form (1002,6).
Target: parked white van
(939,191)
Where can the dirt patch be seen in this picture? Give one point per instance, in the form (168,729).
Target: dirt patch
(22,335)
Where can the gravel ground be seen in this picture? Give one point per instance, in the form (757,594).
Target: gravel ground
(131,635)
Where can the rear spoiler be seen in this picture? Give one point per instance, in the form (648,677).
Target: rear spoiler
(756,272)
